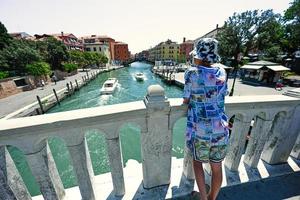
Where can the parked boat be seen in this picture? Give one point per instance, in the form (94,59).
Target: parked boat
(139,76)
(109,86)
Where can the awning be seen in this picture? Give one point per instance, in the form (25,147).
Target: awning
(254,67)
(278,68)
(221,66)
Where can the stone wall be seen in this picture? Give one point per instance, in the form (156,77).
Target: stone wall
(8,87)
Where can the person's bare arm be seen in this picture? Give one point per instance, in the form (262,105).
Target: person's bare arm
(186,100)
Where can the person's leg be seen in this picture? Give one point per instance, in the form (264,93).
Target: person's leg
(216,180)
(199,175)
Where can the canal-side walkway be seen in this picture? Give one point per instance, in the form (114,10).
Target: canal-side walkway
(241,88)
(18,101)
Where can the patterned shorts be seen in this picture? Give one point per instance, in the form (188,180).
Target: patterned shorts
(205,151)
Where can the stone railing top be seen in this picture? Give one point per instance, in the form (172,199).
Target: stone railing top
(125,111)
(101,114)
(155,90)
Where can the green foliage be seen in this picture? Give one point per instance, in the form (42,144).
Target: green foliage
(292,27)
(84,59)
(69,67)
(38,68)
(17,55)
(3,75)
(4,37)
(56,53)
(249,30)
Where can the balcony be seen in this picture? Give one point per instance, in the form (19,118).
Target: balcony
(273,148)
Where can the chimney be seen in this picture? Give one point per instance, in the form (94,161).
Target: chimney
(183,39)
(217,26)
(62,33)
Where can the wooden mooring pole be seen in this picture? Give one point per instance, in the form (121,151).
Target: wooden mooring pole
(41,105)
(77,86)
(56,97)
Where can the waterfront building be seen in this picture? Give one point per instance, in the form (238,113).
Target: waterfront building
(121,52)
(165,51)
(184,50)
(105,40)
(68,39)
(21,35)
(144,55)
(211,34)
(99,44)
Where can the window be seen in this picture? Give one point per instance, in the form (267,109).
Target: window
(95,49)
(99,48)
(88,49)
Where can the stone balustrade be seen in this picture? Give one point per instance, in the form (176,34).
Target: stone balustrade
(275,135)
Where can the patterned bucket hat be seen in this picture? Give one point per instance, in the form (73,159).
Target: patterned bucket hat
(206,49)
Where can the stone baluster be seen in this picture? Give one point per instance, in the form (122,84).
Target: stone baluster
(83,168)
(116,165)
(188,170)
(156,140)
(45,172)
(257,140)
(283,136)
(12,186)
(237,142)
(296,150)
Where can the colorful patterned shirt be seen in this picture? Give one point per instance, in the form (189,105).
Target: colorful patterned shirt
(206,87)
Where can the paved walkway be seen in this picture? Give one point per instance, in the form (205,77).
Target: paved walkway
(15,102)
(244,88)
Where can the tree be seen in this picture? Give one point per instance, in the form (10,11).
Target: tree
(239,35)
(77,57)
(270,36)
(56,53)
(17,55)
(69,67)
(5,38)
(292,27)
(38,69)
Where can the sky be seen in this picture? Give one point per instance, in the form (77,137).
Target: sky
(139,23)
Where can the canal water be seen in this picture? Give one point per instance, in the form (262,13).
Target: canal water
(89,96)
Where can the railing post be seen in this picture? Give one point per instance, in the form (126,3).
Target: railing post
(116,165)
(296,150)
(84,171)
(257,140)
(45,172)
(237,142)
(156,141)
(188,169)
(12,186)
(283,136)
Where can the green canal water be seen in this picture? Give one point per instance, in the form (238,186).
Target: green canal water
(89,96)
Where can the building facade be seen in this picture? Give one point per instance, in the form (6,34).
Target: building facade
(68,39)
(210,34)
(165,51)
(98,44)
(184,50)
(121,52)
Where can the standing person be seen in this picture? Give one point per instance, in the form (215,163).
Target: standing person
(279,85)
(207,127)
(42,84)
(54,79)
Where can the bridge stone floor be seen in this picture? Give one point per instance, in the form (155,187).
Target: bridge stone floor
(268,182)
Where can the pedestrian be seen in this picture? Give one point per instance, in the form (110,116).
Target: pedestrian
(54,78)
(42,84)
(279,85)
(207,132)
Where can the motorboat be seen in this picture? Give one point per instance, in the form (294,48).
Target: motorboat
(109,86)
(139,76)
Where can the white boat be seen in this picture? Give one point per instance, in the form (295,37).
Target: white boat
(109,86)
(139,76)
